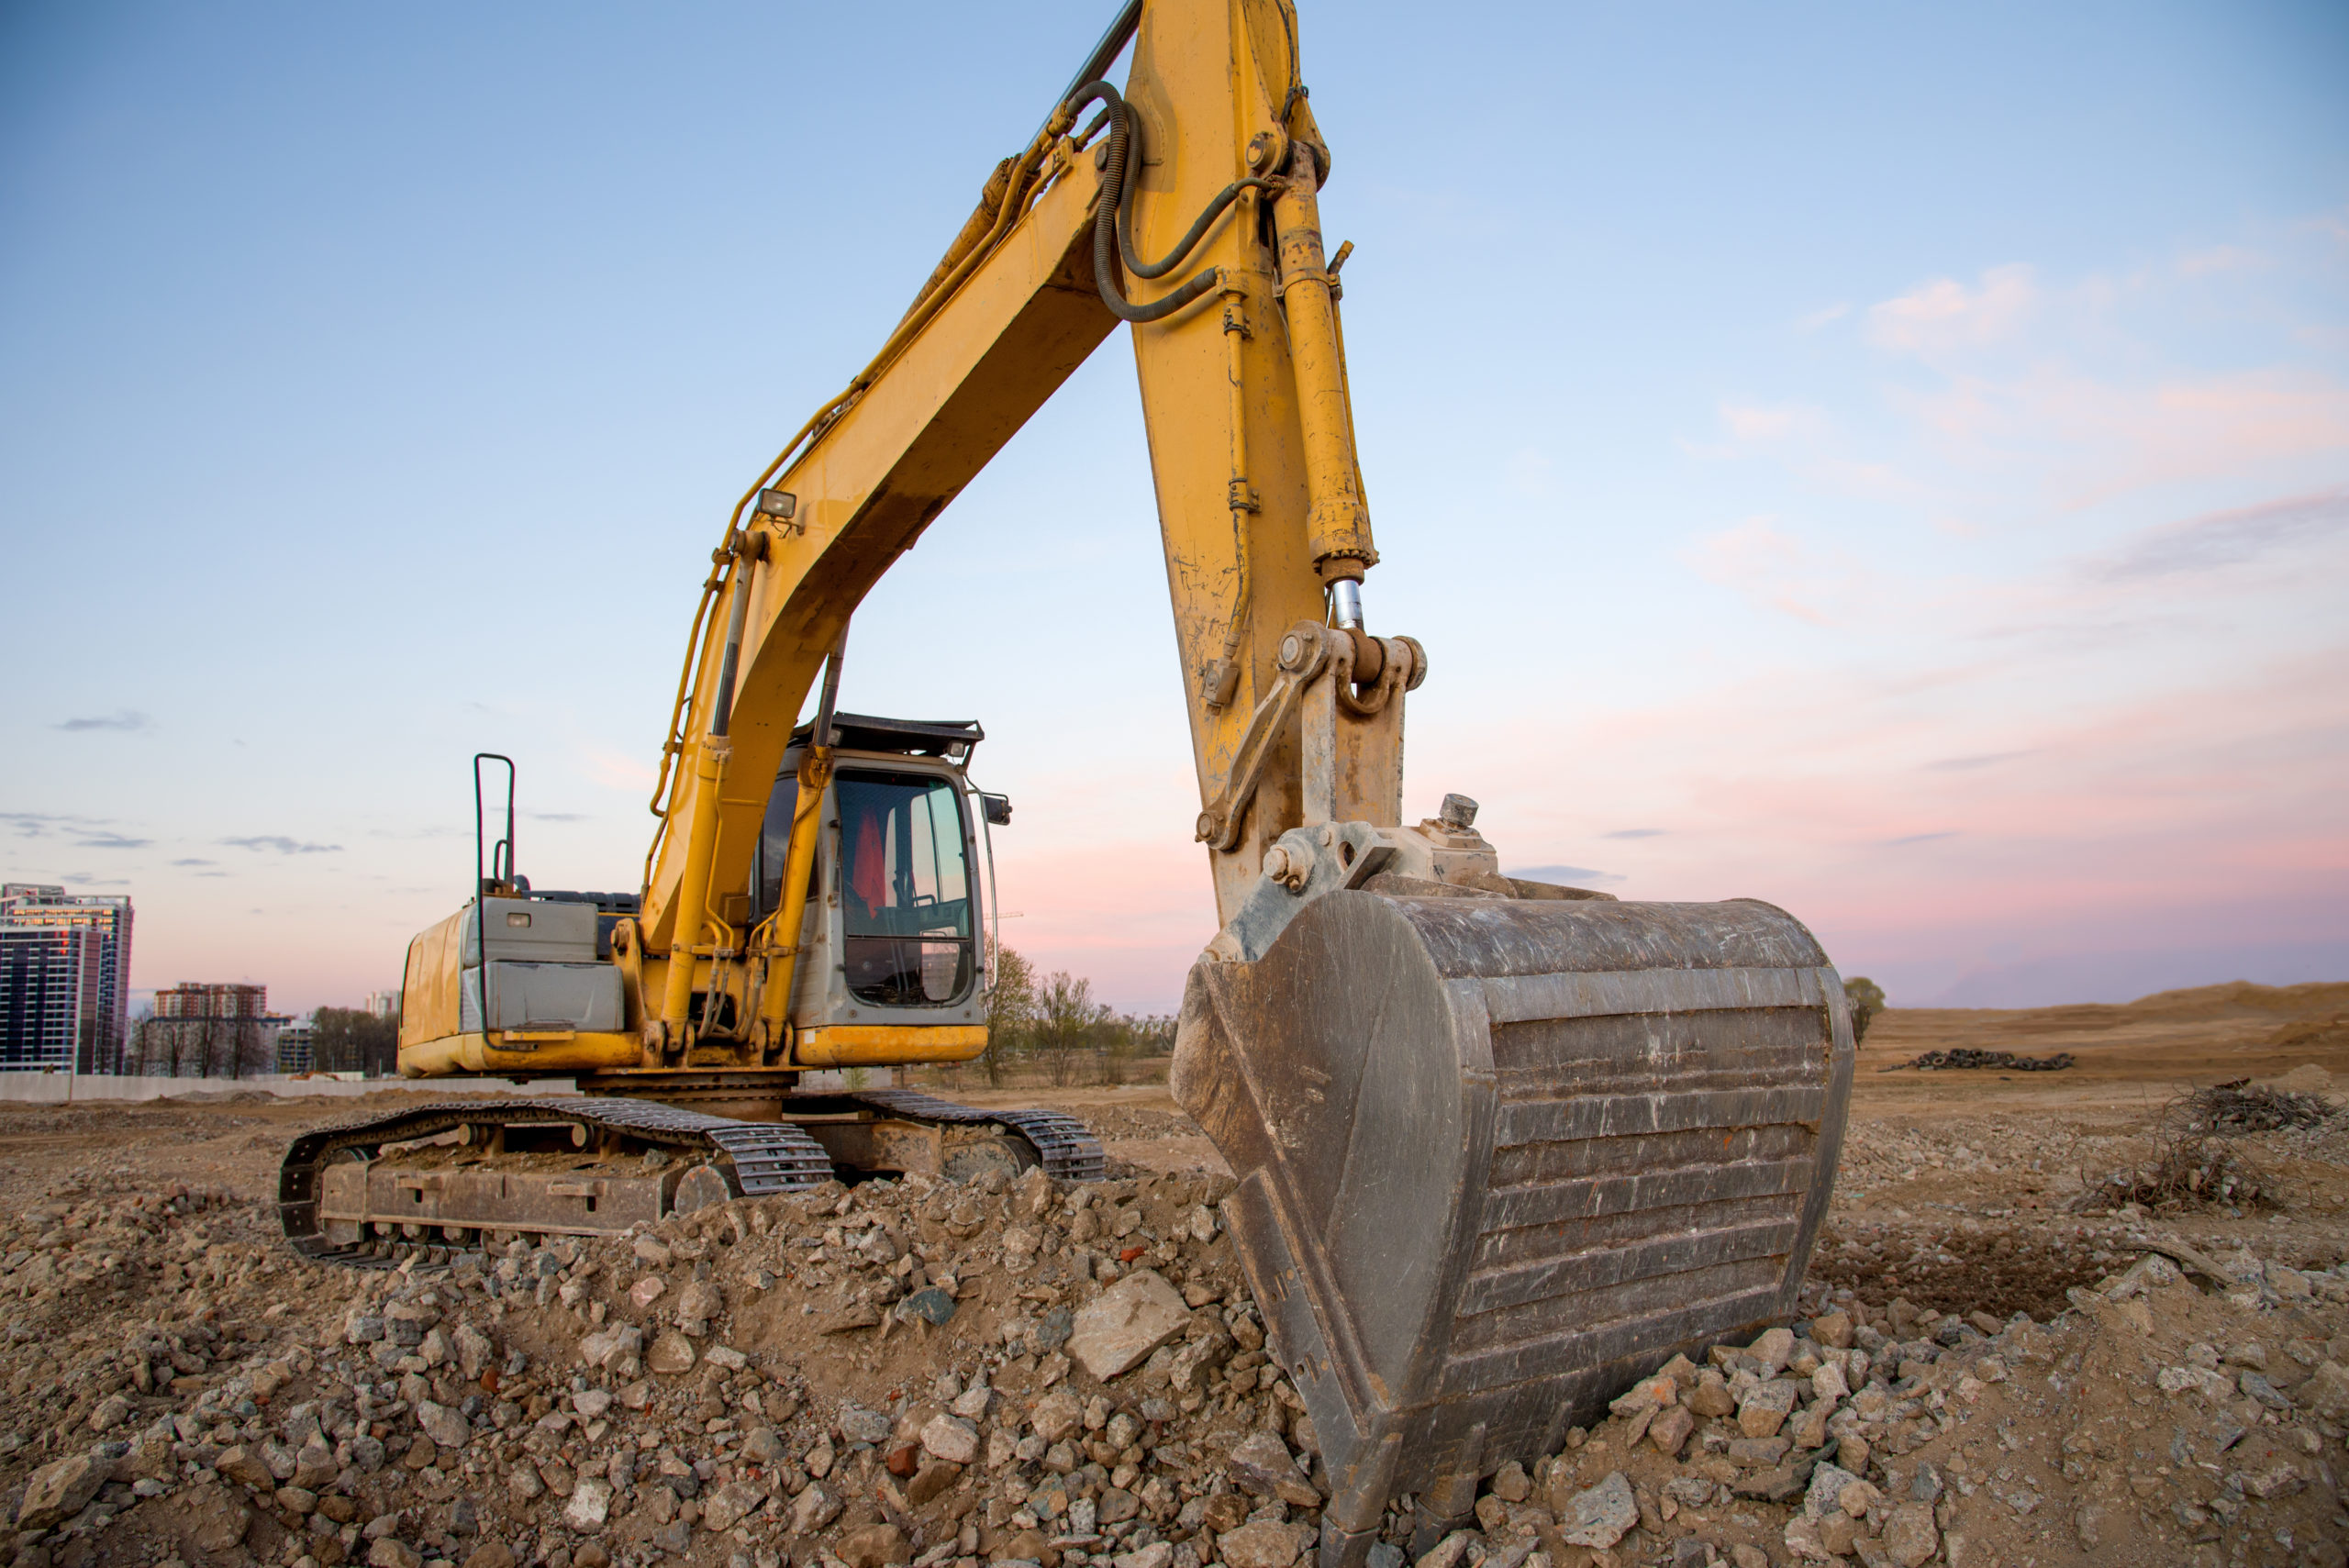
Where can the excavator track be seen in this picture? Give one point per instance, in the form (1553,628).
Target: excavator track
(1069,1152)
(341,1200)
(750,1158)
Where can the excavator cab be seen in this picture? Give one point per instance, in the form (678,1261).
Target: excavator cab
(891,923)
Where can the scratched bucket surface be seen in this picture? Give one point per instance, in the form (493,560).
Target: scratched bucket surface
(1499,1158)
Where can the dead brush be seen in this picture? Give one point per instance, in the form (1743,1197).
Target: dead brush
(2237,1107)
(2192,1165)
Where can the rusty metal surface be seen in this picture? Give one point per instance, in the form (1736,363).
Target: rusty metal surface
(1501,1157)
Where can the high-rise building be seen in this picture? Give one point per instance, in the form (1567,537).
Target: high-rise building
(191,999)
(203,1030)
(64,978)
(295,1044)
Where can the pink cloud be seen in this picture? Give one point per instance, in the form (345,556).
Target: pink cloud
(1944,313)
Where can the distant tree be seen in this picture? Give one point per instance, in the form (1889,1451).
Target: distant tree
(202,1046)
(1123,1039)
(1068,1023)
(1113,1044)
(351,1040)
(1867,998)
(1011,1011)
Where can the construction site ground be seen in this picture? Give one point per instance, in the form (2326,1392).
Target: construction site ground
(904,1373)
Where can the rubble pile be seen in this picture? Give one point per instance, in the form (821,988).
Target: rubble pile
(910,1373)
(2239,1105)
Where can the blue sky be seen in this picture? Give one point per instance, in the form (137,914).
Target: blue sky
(1891,461)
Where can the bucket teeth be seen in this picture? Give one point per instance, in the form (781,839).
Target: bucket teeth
(1500,1158)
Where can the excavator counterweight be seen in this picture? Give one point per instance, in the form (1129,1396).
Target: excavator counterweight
(1503,1147)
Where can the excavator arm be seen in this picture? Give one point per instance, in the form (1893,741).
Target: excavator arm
(1251,436)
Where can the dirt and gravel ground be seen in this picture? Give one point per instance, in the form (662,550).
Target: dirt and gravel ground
(1983,1373)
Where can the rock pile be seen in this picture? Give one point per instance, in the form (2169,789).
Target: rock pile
(908,1373)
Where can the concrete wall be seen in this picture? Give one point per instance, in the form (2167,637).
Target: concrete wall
(51,1087)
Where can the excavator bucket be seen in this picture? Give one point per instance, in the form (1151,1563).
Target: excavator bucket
(1500,1158)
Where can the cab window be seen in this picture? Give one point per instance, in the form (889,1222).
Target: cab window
(904,889)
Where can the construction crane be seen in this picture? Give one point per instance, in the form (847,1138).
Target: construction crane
(1502,1147)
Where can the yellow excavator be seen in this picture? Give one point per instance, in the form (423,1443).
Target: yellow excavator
(1502,1146)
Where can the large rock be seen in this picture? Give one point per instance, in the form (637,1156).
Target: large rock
(699,1302)
(1602,1516)
(2327,1391)
(1445,1554)
(951,1439)
(473,1351)
(1827,1484)
(315,1465)
(874,1546)
(244,1463)
(1910,1537)
(812,1510)
(590,1505)
(1670,1430)
(1056,1416)
(1117,1332)
(670,1354)
(1260,1545)
(1765,1408)
(608,1345)
(442,1425)
(1648,1394)
(1804,1541)
(57,1491)
(934,1477)
(725,1507)
(1261,1463)
(1711,1395)
(859,1425)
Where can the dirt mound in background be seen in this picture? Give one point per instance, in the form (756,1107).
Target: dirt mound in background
(2236,997)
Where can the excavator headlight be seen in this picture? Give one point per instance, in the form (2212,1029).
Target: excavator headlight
(780,505)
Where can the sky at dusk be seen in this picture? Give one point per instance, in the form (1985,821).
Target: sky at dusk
(1891,461)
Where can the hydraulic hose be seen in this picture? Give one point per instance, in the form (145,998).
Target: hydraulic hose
(1113,220)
